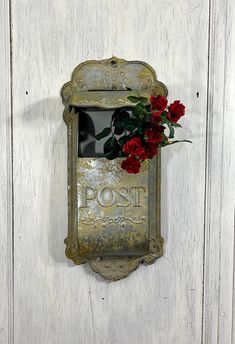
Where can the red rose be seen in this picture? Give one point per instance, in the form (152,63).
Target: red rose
(176,110)
(156,117)
(144,154)
(151,150)
(158,103)
(154,135)
(131,165)
(133,147)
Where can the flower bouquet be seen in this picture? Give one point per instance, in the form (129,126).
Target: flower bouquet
(139,133)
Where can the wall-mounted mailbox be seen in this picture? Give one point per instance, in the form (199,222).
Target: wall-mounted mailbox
(113,217)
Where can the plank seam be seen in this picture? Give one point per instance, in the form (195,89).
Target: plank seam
(212,41)
(207,153)
(233,279)
(11,196)
(221,172)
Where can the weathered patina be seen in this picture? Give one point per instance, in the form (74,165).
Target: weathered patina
(113,217)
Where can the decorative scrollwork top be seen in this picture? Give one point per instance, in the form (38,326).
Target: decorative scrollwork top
(93,80)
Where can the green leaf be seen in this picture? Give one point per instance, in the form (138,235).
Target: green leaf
(130,127)
(116,114)
(176,125)
(144,100)
(141,111)
(136,112)
(163,117)
(132,124)
(108,145)
(111,144)
(111,155)
(140,130)
(141,106)
(111,148)
(129,121)
(105,132)
(172,131)
(125,120)
(133,121)
(165,139)
(133,99)
(118,130)
(124,114)
(123,140)
(120,121)
(148,118)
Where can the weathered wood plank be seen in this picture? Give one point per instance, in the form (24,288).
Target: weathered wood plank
(58,303)
(6,315)
(220,191)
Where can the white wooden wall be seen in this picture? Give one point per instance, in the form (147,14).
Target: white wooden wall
(186,297)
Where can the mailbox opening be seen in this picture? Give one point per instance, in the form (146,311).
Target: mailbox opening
(90,123)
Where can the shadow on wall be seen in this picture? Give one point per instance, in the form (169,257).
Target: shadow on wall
(44,163)
(47,178)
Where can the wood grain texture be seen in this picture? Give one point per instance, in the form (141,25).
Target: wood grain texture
(220,189)
(56,302)
(6,333)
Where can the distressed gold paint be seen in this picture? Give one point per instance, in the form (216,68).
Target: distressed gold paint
(117,229)
(106,84)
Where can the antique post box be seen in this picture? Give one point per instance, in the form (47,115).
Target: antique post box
(113,216)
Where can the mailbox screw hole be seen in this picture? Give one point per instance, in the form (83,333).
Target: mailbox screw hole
(26,92)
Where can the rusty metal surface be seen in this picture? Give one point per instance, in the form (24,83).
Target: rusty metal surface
(112,209)
(106,84)
(113,217)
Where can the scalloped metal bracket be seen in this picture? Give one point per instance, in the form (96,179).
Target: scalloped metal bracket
(106,84)
(93,80)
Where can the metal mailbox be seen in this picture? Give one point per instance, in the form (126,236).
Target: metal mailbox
(113,217)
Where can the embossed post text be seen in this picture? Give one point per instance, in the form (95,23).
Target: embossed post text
(112,209)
